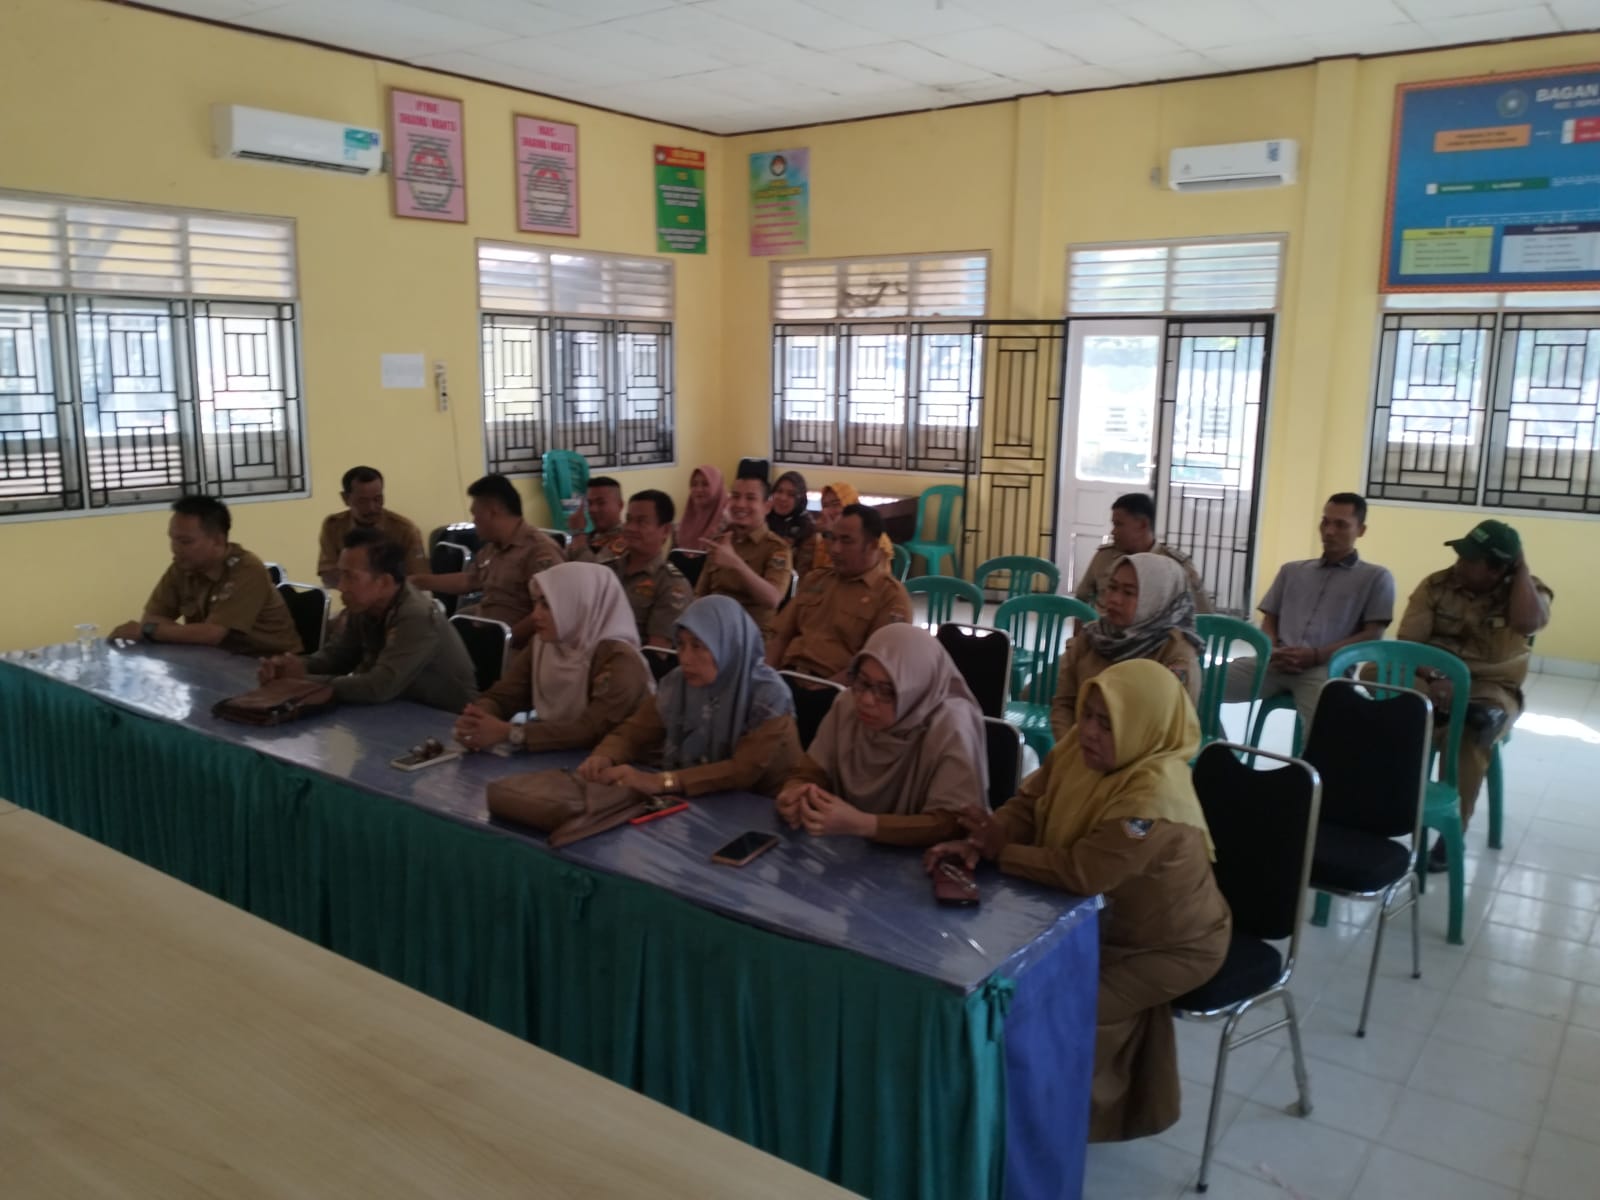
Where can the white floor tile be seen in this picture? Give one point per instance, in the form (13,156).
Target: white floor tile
(1586,1006)
(1189,1134)
(1507,986)
(1230,1184)
(1312,1160)
(1537,952)
(1552,887)
(1504,1031)
(1563,1168)
(1197,1057)
(1397,999)
(1386,1052)
(1340,1098)
(1461,1137)
(1580,1056)
(1543,917)
(1391,1175)
(1574,1108)
(1142,1170)
(1474,1076)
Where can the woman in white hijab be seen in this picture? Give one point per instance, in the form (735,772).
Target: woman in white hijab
(1146,611)
(582,672)
(899,754)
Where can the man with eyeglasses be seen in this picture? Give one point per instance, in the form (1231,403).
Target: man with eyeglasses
(839,607)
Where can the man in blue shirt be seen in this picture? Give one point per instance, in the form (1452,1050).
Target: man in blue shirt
(1317,606)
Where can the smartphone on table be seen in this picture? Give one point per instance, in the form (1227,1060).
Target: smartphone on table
(744,848)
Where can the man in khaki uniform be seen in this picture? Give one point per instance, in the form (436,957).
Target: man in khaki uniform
(362,492)
(217,589)
(839,607)
(602,505)
(510,553)
(1133,519)
(748,563)
(1485,610)
(656,590)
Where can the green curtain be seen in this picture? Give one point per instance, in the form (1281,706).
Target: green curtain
(886,1082)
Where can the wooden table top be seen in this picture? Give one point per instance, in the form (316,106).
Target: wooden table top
(156,1042)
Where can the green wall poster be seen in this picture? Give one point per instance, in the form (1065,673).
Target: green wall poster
(680,200)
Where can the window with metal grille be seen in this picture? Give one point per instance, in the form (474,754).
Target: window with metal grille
(1488,409)
(145,353)
(1175,277)
(872,366)
(577,355)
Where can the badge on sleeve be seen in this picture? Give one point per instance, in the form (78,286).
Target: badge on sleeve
(1136,828)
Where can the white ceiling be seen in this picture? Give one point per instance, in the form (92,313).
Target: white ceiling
(733,65)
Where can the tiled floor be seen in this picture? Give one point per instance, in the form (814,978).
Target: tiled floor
(1481,1081)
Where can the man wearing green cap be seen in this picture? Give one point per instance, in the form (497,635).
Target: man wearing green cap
(1484,610)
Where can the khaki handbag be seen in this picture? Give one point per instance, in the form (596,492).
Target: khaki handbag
(273,703)
(569,809)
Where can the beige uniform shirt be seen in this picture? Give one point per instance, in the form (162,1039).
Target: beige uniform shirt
(238,594)
(760,761)
(619,681)
(392,525)
(831,618)
(501,570)
(1105,560)
(765,553)
(657,592)
(601,546)
(1475,627)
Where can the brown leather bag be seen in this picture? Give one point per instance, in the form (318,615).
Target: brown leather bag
(569,809)
(273,703)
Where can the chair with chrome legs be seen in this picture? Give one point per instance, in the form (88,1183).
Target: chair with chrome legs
(1264,825)
(1371,742)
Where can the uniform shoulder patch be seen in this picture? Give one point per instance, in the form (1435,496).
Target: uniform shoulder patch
(776,561)
(1137,827)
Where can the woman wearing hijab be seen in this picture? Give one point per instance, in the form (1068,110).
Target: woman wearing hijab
(789,519)
(834,498)
(1113,812)
(721,721)
(1147,611)
(898,755)
(582,672)
(706,513)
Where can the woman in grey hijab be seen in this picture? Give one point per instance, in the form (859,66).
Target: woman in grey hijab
(721,721)
(899,754)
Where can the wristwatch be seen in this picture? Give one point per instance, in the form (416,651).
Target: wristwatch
(669,782)
(518,737)
(148,631)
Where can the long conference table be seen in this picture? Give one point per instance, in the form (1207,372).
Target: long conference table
(816,1004)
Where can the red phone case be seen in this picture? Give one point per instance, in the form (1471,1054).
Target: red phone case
(954,884)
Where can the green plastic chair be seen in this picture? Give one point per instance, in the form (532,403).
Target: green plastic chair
(1495,785)
(943,499)
(1037,627)
(1021,571)
(1219,633)
(565,475)
(900,562)
(942,592)
(1397,663)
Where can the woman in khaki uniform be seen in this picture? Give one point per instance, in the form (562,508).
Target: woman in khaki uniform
(1147,612)
(722,721)
(1112,812)
(582,673)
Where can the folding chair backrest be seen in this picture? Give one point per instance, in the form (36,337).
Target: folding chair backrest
(308,608)
(1004,746)
(558,536)
(1220,634)
(662,661)
(813,697)
(1370,743)
(274,573)
(1264,824)
(1022,572)
(488,644)
(983,656)
(1397,663)
(690,562)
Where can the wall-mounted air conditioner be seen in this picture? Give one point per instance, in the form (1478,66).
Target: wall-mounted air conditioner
(262,136)
(1233,166)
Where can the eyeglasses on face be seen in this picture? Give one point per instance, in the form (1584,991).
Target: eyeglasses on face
(882,692)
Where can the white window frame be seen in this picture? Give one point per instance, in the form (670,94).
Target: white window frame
(1170,276)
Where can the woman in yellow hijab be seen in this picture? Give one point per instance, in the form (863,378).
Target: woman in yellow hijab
(1113,812)
(834,497)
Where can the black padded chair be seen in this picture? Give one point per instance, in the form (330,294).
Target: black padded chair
(462,533)
(488,644)
(1004,746)
(558,536)
(754,468)
(1369,799)
(813,697)
(448,558)
(308,607)
(1264,825)
(274,573)
(690,562)
(983,656)
(663,661)
(788,593)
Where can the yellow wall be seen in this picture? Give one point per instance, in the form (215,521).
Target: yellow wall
(1022,180)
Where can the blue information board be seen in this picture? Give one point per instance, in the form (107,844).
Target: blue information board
(1494,184)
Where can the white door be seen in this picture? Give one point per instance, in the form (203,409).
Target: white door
(1113,390)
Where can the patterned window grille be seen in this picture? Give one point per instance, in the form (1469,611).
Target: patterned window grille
(145,353)
(860,381)
(1496,410)
(577,355)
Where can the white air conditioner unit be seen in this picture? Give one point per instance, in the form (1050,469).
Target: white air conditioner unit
(1236,165)
(263,136)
